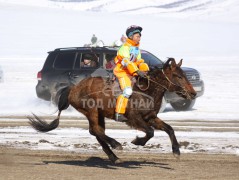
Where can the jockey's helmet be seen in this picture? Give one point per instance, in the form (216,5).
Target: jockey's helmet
(130,31)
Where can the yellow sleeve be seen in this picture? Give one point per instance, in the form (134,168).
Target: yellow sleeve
(124,51)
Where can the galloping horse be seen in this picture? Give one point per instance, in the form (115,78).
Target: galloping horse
(142,109)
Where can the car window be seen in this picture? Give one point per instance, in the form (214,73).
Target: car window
(109,62)
(64,60)
(150,59)
(87,60)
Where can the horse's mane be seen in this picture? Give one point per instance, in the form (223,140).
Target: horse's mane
(154,70)
(161,66)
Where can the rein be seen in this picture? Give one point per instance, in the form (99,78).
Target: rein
(184,92)
(170,80)
(148,78)
(137,83)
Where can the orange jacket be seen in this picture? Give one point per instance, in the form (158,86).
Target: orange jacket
(128,59)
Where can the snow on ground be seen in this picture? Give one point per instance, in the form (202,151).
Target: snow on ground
(79,140)
(206,38)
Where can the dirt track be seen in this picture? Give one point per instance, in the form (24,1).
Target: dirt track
(26,164)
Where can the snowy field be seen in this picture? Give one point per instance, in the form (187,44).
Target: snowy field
(79,140)
(205,36)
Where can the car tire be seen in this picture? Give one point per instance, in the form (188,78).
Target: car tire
(163,105)
(183,105)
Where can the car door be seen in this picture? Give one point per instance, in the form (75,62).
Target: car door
(58,76)
(62,66)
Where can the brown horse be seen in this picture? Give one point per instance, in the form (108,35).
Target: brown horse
(95,98)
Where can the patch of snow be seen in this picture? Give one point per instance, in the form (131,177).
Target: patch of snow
(80,140)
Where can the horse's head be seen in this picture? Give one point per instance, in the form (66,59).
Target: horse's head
(177,80)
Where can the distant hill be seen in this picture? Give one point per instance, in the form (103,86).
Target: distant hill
(220,9)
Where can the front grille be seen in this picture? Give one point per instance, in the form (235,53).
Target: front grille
(193,77)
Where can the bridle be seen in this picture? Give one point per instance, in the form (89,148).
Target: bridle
(183,90)
(149,79)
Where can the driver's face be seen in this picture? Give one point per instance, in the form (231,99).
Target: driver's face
(87,61)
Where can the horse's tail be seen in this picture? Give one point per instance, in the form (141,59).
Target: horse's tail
(40,124)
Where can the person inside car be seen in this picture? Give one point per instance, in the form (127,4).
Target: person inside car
(109,61)
(128,64)
(88,61)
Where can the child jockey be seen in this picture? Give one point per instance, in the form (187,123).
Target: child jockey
(128,63)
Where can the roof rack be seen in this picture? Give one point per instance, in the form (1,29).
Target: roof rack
(111,46)
(79,48)
(67,48)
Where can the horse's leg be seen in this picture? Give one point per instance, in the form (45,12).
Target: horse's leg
(159,124)
(98,131)
(142,126)
(113,158)
(113,143)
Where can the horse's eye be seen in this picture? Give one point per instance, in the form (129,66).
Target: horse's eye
(177,75)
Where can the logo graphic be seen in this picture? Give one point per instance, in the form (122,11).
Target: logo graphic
(111,90)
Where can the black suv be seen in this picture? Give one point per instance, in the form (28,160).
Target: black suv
(65,66)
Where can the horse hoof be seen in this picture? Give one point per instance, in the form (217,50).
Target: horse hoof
(137,142)
(118,161)
(119,147)
(134,142)
(177,156)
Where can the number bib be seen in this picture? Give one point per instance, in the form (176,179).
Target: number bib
(134,52)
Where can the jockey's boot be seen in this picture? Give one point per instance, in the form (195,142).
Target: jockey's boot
(120,117)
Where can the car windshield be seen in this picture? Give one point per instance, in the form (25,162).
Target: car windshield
(150,59)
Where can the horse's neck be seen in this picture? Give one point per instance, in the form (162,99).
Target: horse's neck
(157,91)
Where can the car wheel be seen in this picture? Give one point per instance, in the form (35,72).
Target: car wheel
(163,105)
(183,105)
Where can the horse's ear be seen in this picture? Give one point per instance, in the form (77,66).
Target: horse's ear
(167,63)
(173,64)
(180,63)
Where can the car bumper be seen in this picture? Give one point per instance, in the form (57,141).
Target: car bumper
(43,91)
